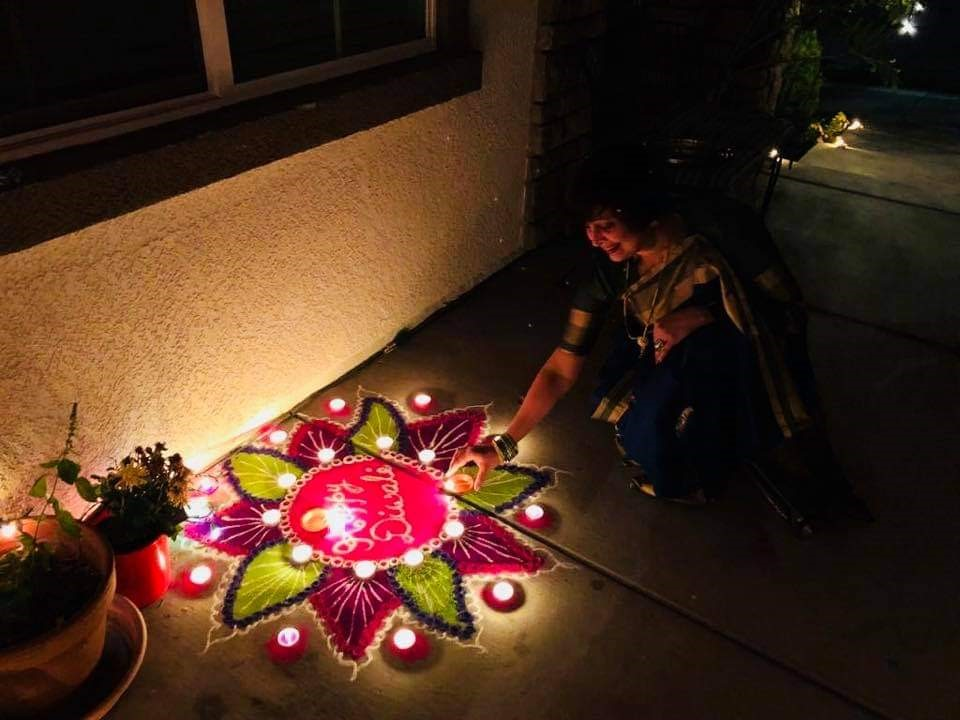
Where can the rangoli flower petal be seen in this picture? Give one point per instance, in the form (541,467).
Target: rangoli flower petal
(353,609)
(268,582)
(260,474)
(487,548)
(379,418)
(447,432)
(433,591)
(506,486)
(310,439)
(238,529)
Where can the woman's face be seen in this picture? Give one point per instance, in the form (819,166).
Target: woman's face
(608,232)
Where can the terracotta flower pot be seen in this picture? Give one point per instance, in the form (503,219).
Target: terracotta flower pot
(37,673)
(144,575)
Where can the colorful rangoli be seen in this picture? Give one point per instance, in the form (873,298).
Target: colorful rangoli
(352,520)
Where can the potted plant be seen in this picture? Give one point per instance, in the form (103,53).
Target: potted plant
(141,507)
(57,582)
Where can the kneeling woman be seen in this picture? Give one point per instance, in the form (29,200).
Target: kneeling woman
(709,367)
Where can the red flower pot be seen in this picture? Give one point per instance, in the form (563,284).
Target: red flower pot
(144,575)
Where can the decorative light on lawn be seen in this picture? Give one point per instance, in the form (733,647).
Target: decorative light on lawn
(907,27)
(384,442)
(454,528)
(271,517)
(365,569)
(301,553)
(277,436)
(326,455)
(8,531)
(413,557)
(426,456)
(286,480)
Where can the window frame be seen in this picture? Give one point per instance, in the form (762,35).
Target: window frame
(221,91)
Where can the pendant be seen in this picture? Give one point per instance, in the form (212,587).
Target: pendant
(643,342)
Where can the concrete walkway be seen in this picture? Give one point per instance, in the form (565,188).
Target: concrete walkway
(677,612)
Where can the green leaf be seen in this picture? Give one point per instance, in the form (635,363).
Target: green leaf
(257,474)
(431,589)
(68,471)
(50,464)
(87,491)
(268,583)
(380,422)
(65,519)
(501,488)
(39,489)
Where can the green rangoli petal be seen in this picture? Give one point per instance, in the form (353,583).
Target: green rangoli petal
(256,474)
(267,583)
(503,488)
(379,422)
(434,592)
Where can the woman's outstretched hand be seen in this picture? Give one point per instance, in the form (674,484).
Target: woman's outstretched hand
(483,455)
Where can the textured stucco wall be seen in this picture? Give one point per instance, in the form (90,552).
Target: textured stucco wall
(189,319)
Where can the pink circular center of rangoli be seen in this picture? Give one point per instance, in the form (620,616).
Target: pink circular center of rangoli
(368,510)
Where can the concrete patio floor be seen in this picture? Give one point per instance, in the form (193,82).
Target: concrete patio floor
(678,612)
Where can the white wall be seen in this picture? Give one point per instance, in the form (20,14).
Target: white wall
(188,319)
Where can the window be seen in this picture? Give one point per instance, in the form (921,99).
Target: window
(72,72)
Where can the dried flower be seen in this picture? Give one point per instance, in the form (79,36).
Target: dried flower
(130,475)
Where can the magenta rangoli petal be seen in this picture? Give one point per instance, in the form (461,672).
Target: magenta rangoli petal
(353,610)
(237,530)
(447,432)
(310,438)
(486,547)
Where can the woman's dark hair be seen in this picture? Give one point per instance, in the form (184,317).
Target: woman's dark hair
(619,179)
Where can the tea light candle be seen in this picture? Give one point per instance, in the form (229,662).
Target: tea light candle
(408,645)
(503,595)
(535,516)
(460,483)
(196,581)
(277,436)
(338,406)
(287,645)
(9,531)
(422,402)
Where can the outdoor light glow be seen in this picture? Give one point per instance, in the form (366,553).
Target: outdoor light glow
(198,508)
(907,27)
(422,400)
(773,154)
(271,517)
(8,531)
(413,557)
(201,575)
(533,512)
(301,553)
(278,436)
(286,480)
(288,637)
(337,405)
(427,456)
(326,455)
(404,639)
(384,442)
(503,591)
(454,528)
(365,569)
(855,124)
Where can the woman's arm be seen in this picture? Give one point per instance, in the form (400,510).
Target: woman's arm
(555,378)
